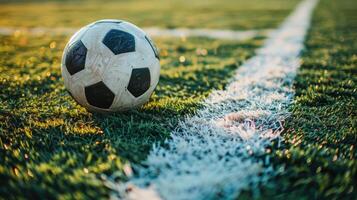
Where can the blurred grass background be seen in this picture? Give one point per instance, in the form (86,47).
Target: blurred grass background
(230,14)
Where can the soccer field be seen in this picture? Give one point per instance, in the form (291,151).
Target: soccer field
(52,148)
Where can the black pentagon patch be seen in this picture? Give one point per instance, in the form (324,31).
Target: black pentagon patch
(153,47)
(76,57)
(139,81)
(99,95)
(119,41)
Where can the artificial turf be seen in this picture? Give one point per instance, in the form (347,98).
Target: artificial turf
(53,148)
(50,147)
(317,159)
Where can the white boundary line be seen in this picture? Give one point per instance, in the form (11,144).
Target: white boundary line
(152,31)
(214,154)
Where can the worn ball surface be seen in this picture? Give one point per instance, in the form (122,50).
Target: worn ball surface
(110,65)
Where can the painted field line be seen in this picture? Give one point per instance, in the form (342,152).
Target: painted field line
(220,150)
(152,31)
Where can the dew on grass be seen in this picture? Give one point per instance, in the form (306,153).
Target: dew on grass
(182,59)
(53,45)
(30,174)
(201,52)
(16,171)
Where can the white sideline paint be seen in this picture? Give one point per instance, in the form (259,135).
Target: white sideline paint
(151,31)
(214,154)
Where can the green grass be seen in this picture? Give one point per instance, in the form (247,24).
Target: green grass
(319,153)
(53,148)
(234,14)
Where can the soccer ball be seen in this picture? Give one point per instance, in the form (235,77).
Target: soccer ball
(110,65)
